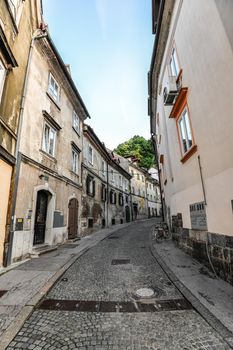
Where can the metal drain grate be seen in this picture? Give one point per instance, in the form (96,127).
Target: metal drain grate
(113,237)
(2,292)
(120,261)
(114,306)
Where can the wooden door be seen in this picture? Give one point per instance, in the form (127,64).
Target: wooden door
(73,219)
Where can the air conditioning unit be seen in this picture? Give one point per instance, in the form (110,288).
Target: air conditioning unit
(170,92)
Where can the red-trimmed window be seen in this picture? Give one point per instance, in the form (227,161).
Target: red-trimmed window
(185,131)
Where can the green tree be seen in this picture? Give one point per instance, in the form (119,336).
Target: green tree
(140,148)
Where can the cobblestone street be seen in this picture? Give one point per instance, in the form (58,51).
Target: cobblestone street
(113,271)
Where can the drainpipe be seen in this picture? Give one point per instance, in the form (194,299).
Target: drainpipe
(202,181)
(8,244)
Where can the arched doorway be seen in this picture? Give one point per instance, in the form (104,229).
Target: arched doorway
(73,219)
(40,218)
(127,214)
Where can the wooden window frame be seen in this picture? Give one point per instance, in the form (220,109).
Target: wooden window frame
(55,98)
(185,155)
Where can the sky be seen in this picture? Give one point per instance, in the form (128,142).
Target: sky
(108,44)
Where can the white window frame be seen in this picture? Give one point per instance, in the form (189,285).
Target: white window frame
(54,96)
(75,161)
(185,131)
(120,181)
(174,63)
(76,122)
(16,8)
(46,147)
(103,168)
(112,176)
(2,77)
(90,155)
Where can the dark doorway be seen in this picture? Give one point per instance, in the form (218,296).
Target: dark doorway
(135,210)
(40,219)
(127,214)
(73,218)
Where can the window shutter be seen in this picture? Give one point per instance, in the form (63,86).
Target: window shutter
(88,185)
(93,189)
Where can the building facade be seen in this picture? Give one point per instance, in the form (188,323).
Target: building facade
(106,187)
(190,104)
(48,202)
(16,37)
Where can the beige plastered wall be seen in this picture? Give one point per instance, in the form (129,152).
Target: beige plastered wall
(206,57)
(5,181)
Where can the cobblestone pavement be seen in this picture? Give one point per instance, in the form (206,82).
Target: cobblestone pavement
(93,277)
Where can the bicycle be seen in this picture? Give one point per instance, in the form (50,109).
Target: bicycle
(161,232)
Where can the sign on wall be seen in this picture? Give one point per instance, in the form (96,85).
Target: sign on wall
(198,216)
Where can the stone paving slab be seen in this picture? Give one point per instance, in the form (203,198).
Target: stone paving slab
(27,283)
(94,276)
(214,293)
(56,330)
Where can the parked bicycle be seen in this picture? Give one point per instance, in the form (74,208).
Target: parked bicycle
(161,232)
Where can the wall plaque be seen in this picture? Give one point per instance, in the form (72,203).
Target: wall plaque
(198,216)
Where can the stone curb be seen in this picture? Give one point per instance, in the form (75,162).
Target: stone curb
(210,318)
(26,311)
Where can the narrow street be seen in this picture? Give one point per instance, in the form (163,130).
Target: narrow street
(96,303)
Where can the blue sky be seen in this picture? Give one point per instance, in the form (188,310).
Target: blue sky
(108,44)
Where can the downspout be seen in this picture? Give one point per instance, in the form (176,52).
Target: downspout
(8,244)
(202,181)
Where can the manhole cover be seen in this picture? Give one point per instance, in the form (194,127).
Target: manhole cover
(145,292)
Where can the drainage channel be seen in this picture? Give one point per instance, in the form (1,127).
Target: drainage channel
(114,306)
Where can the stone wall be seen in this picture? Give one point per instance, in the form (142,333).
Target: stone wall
(201,243)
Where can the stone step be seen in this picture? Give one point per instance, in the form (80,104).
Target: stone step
(42,249)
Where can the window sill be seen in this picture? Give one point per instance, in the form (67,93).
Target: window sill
(74,173)
(52,99)
(76,132)
(189,153)
(48,155)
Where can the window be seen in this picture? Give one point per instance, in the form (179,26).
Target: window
(132,173)
(2,77)
(112,197)
(121,199)
(49,139)
(90,155)
(185,132)
(133,190)
(112,176)
(54,89)
(142,178)
(120,181)
(173,64)
(138,176)
(75,161)
(103,168)
(76,123)
(103,193)
(16,9)
(139,192)
(90,186)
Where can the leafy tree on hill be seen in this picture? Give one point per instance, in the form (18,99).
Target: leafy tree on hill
(140,148)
